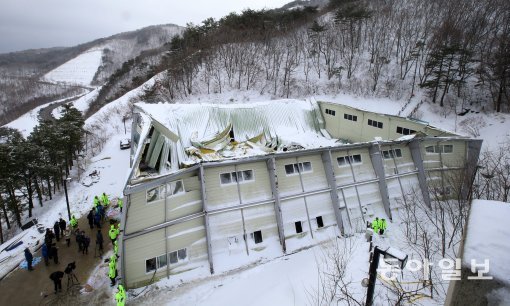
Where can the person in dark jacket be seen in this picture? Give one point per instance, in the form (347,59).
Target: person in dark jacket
(86,243)
(99,242)
(48,237)
(79,240)
(56,277)
(29,257)
(97,219)
(101,211)
(63,226)
(56,230)
(54,253)
(90,217)
(45,253)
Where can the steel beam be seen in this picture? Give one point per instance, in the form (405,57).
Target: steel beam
(340,213)
(271,168)
(377,164)
(414,147)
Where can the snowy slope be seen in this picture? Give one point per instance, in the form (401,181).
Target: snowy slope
(26,123)
(79,71)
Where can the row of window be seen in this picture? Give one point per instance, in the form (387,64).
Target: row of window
(405,131)
(330,112)
(298,168)
(350,159)
(374,123)
(234,177)
(439,149)
(158,193)
(394,153)
(350,117)
(161,261)
(299,224)
(177,187)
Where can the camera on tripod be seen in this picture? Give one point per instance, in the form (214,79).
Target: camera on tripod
(70,268)
(71,277)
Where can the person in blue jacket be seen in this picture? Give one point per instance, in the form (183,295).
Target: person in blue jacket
(29,257)
(45,254)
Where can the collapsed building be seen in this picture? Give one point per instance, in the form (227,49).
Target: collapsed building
(217,186)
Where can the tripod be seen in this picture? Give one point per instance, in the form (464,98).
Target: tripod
(71,279)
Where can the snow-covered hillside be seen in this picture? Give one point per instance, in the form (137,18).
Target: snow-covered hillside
(26,123)
(78,71)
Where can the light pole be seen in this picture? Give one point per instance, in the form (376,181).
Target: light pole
(67,179)
(390,253)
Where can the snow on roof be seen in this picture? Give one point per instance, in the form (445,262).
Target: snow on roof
(290,122)
(487,237)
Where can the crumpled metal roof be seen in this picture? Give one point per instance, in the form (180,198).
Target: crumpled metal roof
(291,121)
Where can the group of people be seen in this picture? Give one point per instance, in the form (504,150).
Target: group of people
(49,249)
(98,212)
(95,217)
(379,225)
(120,296)
(112,272)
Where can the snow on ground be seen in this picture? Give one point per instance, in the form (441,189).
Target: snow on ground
(286,280)
(487,237)
(79,70)
(26,123)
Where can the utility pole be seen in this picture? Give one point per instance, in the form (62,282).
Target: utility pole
(67,197)
(372,276)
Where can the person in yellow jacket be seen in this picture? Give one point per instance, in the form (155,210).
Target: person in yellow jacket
(120,203)
(382,226)
(73,222)
(375,225)
(116,249)
(120,297)
(113,233)
(105,200)
(113,259)
(112,273)
(96,201)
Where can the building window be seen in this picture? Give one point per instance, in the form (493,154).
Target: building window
(350,117)
(234,177)
(374,123)
(175,188)
(389,154)
(299,227)
(330,112)
(150,265)
(404,131)
(439,149)
(298,168)
(155,263)
(156,193)
(447,148)
(178,256)
(350,159)
(257,236)
(320,223)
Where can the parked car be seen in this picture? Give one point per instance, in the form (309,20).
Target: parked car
(125,144)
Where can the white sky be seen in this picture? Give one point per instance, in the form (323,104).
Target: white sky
(26,24)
